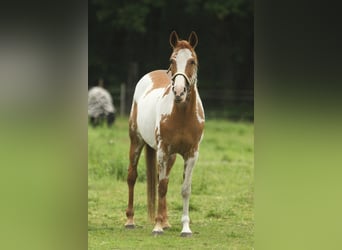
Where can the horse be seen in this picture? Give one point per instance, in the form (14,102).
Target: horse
(167,118)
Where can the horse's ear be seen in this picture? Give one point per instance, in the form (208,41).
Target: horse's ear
(193,39)
(173,39)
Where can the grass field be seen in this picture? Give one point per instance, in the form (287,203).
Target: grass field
(221,204)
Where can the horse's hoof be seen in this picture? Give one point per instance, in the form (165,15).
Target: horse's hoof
(130,226)
(186,234)
(156,233)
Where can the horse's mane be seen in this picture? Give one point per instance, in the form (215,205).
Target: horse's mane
(183,44)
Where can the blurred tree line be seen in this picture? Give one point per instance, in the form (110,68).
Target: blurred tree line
(128,39)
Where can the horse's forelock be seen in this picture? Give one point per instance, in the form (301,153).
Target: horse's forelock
(183,44)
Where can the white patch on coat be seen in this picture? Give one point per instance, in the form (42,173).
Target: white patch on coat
(146,109)
(164,108)
(144,84)
(151,105)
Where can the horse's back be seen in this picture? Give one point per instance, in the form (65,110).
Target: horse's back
(148,91)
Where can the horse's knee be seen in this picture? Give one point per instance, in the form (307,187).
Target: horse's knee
(186,191)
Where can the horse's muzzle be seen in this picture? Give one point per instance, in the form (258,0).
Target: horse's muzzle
(178,98)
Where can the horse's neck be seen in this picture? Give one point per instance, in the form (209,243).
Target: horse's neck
(193,97)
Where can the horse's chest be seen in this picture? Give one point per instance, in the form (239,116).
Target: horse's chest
(180,136)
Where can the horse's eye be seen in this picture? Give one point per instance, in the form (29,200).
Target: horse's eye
(192,62)
(172,61)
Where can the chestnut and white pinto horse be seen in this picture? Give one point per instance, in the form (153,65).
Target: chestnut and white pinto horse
(167,118)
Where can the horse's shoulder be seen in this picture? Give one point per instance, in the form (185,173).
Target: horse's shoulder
(160,78)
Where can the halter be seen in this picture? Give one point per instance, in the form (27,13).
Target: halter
(188,82)
(182,74)
(187,85)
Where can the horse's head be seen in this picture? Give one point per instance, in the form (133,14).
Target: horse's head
(183,65)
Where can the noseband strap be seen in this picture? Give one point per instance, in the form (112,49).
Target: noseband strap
(182,74)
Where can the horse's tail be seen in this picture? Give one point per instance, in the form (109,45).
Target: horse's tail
(151,177)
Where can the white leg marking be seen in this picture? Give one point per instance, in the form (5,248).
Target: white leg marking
(161,163)
(186,191)
(158,229)
(186,227)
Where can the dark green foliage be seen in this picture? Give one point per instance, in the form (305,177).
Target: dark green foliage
(127,39)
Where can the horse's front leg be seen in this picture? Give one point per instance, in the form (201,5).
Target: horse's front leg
(165,163)
(189,163)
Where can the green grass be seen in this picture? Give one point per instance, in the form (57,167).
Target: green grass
(221,204)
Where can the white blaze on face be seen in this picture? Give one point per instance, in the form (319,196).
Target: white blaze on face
(181,59)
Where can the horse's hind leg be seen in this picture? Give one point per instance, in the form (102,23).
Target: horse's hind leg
(136,146)
(151,179)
